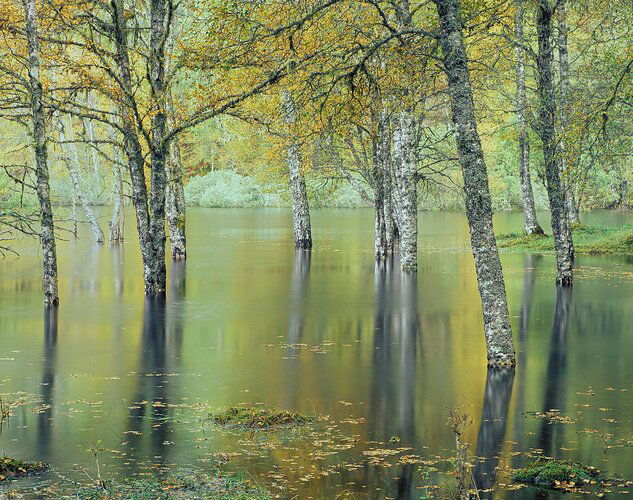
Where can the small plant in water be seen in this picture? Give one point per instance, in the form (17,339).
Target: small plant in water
(258,416)
(458,423)
(5,410)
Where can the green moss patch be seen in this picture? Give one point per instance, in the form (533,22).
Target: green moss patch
(258,416)
(609,240)
(10,468)
(560,475)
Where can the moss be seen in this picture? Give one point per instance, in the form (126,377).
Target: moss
(610,240)
(183,484)
(258,416)
(556,474)
(11,468)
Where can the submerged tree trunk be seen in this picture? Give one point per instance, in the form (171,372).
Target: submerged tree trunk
(175,205)
(547,129)
(175,208)
(531,223)
(381,152)
(47,231)
(158,145)
(73,166)
(298,191)
(492,290)
(149,225)
(405,167)
(564,92)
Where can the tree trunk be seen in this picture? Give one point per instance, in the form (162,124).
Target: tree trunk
(158,145)
(380,159)
(175,203)
(298,191)
(498,332)
(564,99)
(531,223)
(547,129)
(150,225)
(389,207)
(117,223)
(405,166)
(47,231)
(73,166)
(90,135)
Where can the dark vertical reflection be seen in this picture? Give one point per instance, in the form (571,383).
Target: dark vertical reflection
(531,265)
(298,294)
(161,341)
(497,395)
(556,368)
(45,417)
(177,287)
(299,286)
(396,330)
(118,269)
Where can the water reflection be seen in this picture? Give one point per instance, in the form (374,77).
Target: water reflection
(45,417)
(551,434)
(497,395)
(298,294)
(161,343)
(395,340)
(530,268)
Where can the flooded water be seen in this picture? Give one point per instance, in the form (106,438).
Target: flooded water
(383,356)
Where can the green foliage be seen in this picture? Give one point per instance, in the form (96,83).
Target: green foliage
(258,416)
(227,189)
(11,468)
(557,474)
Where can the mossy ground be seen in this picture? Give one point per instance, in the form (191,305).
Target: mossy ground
(258,416)
(225,486)
(556,474)
(11,468)
(610,240)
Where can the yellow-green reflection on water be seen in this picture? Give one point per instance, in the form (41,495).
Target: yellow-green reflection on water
(384,355)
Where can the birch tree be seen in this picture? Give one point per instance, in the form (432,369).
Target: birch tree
(490,280)
(547,129)
(40,147)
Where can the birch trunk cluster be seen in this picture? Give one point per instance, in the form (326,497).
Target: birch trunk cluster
(529,210)
(547,129)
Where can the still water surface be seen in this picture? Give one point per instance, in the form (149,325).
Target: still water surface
(385,356)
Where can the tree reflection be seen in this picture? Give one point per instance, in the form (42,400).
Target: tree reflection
(497,395)
(531,265)
(298,294)
(45,417)
(161,341)
(396,331)
(556,368)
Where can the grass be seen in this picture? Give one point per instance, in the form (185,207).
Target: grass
(184,484)
(258,416)
(607,240)
(556,474)
(11,468)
